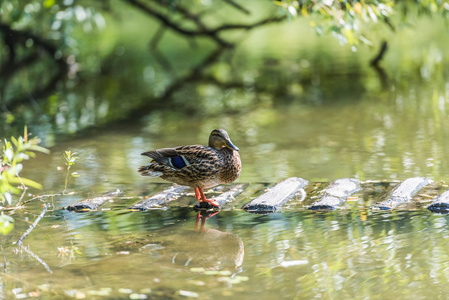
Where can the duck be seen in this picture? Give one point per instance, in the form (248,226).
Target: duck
(197,166)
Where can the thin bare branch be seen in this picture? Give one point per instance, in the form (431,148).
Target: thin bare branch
(19,242)
(177,28)
(237,6)
(248,26)
(40,197)
(202,29)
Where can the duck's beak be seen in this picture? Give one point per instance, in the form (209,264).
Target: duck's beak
(230,145)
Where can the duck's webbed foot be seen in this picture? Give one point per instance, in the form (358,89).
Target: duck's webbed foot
(205,205)
(212,202)
(204,202)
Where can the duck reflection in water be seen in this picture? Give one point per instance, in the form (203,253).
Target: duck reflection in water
(206,248)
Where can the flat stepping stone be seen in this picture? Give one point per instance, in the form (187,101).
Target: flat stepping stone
(440,204)
(222,199)
(161,198)
(403,193)
(337,193)
(92,203)
(276,196)
(230,195)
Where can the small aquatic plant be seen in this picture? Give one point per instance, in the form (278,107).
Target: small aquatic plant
(70,159)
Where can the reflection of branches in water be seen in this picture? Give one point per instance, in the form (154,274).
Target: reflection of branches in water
(39,93)
(375,64)
(195,74)
(33,255)
(184,21)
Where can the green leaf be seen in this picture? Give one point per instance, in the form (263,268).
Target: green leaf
(8,198)
(40,149)
(49,3)
(27,182)
(14,141)
(6,224)
(18,168)
(30,154)
(9,154)
(9,118)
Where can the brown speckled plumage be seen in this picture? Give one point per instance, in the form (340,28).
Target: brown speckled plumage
(196,165)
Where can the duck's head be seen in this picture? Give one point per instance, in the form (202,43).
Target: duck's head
(219,139)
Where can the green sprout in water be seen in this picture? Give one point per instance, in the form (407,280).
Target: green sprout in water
(70,159)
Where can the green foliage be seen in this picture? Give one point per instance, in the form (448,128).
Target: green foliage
(346,18)
(14,153)
(51,20)
(70,159)
(6,224)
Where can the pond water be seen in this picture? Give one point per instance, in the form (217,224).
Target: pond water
(352,253)
(295,254)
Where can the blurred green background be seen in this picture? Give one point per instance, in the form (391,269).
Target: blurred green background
(291,81)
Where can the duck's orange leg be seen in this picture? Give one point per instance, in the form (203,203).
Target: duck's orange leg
(203,198)
(197,195)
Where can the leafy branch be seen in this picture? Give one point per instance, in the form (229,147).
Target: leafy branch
(345,18)
(14,153)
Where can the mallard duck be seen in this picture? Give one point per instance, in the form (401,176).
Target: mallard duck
(196,165)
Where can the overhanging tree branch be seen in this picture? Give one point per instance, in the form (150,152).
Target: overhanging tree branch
(174,26)
(202,29)
(21,36)
(237,6)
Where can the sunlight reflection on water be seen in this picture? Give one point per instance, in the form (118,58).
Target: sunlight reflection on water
(289,253)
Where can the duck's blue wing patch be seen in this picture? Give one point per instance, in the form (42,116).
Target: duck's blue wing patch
(178,162)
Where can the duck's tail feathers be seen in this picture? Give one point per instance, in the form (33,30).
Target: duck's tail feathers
(148,171)
(161,155)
